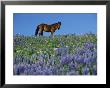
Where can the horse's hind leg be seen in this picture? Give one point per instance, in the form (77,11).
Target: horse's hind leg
(42,33)
(39,33)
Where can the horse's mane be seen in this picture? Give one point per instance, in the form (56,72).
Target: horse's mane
(50,24)
(54,24)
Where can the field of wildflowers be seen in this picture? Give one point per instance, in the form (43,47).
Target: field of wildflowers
(61,55)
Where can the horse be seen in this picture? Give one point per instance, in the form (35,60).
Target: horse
(47,28)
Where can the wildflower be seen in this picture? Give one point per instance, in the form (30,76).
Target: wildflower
(85,71)
(55,49)
(66,60)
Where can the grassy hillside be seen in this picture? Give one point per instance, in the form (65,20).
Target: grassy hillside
(61,55)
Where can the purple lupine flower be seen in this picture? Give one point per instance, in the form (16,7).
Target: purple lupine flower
(89,45)
(83,58)
(71,66)
(85,71)
(66,59)
(81,52)
(79,59)
(87,60)
(19,69)
(94,70)
(73,73)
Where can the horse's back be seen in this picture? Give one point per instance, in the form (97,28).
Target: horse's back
(45,27)
(48,28)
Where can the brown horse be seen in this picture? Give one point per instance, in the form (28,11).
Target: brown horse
(47,28)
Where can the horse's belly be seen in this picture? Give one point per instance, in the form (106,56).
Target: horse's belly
(46,30)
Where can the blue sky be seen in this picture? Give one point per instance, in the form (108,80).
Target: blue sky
(79,23)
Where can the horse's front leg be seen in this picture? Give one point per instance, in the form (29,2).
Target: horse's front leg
(52,34)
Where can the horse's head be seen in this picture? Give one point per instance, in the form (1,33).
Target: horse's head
(59,24)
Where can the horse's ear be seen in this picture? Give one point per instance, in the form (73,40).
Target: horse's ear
(59,22)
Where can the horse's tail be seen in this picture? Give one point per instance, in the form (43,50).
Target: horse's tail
(37,29)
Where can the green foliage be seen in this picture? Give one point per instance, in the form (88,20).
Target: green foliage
(28,45)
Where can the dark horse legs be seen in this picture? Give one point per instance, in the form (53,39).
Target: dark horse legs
(52,34)
(41,33)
